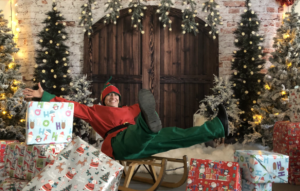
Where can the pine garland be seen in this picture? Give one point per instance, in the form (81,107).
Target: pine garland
(86,18)
(213,18)
(114,7)
(188,17)
(164,10)
(137,14)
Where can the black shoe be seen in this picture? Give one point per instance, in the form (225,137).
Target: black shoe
(222,115)
(147,106)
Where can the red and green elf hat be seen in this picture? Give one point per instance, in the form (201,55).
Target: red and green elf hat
(108,88)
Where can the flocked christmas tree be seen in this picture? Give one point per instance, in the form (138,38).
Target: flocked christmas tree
(12,104)
(52,62)
(79,92)
(222,94)
(246,63)
(68,188)
(282,76)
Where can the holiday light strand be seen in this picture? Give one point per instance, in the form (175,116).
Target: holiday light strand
(213,18)
(86,18)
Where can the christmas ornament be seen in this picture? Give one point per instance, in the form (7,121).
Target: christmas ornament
(44,60)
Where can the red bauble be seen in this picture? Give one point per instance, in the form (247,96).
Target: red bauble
(286,2)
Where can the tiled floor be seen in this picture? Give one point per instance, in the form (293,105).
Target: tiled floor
(173,178)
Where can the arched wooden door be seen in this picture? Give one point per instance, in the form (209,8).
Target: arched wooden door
(177,68)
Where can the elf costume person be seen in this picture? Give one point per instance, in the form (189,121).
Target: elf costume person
(133,132)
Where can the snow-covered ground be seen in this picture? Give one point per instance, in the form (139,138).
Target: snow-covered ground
(221,153)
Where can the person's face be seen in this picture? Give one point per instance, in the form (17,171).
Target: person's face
(112,100)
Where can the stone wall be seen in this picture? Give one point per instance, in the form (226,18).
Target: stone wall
(31,13)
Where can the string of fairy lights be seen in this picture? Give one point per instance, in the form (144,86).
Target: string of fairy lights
(136,8)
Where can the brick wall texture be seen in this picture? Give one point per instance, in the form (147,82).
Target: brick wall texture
(31,13)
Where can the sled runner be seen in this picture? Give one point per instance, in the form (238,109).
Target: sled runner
(132,166)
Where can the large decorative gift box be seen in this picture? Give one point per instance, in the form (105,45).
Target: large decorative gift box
(3,174)
(79,166)
(286,140)
(3,144)
(263,166)
(49,122)
(25,161)
(13,184)
(213,175)
(249,186)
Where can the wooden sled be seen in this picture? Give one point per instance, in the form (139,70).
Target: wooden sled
(132,166)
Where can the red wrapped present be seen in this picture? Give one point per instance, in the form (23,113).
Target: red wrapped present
(286,139)
(213,175)
(3,144)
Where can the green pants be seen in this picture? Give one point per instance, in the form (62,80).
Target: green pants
(138,141)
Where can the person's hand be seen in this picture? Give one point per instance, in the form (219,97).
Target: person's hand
(30,93)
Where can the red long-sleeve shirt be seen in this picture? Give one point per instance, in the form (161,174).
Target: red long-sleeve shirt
(101,118)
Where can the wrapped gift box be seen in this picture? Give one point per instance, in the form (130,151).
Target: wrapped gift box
(49,122)
(286,140)
(213,175)
(263,166)
(249,186)
(3,174)
(3,144)
(294,178)
(79,166)
(13,184)
(25,161)
(294,105)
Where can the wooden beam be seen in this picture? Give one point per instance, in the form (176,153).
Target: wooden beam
(132,79)
(164,79)
(185,79)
